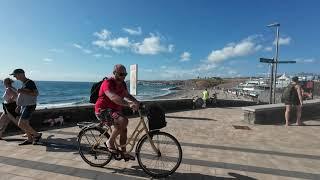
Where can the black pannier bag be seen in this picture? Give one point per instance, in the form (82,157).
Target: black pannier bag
(156,116)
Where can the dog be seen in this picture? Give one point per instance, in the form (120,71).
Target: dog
(54,121)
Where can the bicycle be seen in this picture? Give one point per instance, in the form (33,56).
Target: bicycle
(154,152)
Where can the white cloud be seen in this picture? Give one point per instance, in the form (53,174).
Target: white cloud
(107,56)
(138,31)
(309,60)
(77,46)
(269,48)
(147,70)
(232,50)
(301,60)
(170,48)
(104,41)
(185,56)
(103,34)
(116,50)
(151,45)
(163,67)
(56,50)
(97,55)
(101,44)
(87,51)
(119,42)
(232,72)
(283,41)
(47,59)
(258,47)
(205,67)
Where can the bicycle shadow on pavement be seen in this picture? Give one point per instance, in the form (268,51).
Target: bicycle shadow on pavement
(191,118)
(191,176)
(59,144)
(138,172)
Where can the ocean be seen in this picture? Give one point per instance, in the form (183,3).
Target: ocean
(58,93)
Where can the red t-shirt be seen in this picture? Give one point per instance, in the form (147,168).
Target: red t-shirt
(103,102)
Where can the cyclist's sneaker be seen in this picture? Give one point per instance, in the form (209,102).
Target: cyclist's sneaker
(127,157)
(110,149)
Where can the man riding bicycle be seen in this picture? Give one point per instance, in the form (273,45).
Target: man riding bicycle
(109,104)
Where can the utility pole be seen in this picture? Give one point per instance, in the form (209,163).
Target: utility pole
(275,64)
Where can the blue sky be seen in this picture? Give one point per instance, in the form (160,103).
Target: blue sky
(82,40)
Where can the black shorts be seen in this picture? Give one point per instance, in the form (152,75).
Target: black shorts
(293,102)
(26,111)
(10,108)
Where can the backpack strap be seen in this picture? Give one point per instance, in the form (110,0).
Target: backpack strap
(112,80)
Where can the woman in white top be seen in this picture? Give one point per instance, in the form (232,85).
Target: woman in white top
(9,105)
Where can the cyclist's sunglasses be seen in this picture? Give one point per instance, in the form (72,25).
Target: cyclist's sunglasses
(122,74)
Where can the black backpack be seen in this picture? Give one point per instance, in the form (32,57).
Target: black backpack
(287,93)
(156,117)
(95,91)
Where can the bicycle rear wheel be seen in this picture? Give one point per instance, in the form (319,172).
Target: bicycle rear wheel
(94,153)
(160,164)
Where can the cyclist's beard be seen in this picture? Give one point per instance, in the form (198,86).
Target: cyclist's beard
(118,78)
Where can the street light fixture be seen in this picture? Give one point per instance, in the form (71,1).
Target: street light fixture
(277,25)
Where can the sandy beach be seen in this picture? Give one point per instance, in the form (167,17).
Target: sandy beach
(184,93)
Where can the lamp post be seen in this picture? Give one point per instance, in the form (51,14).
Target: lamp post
(277,25)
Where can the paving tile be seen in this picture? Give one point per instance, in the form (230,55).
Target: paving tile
(212,149)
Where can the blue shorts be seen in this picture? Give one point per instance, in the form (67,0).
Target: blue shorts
(26,111)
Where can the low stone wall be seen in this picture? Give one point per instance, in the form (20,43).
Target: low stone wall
(234,103)
(274,113)
(85,112)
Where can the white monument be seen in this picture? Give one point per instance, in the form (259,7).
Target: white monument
(133,79)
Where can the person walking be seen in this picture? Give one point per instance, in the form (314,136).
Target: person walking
(26,104)
(9,105)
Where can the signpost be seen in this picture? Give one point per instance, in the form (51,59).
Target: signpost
(273,76)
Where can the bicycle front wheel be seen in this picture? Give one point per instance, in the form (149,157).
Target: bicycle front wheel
(91,146)
(163,163)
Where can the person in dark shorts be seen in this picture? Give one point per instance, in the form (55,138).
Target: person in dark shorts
(26,104)
(294,100)
(9,105)
(109,106)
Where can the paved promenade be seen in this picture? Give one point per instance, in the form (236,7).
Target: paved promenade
(212,149)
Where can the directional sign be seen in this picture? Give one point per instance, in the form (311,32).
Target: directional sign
(286,62)
(265,60)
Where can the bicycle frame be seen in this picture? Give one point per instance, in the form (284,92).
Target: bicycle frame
(133,138)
